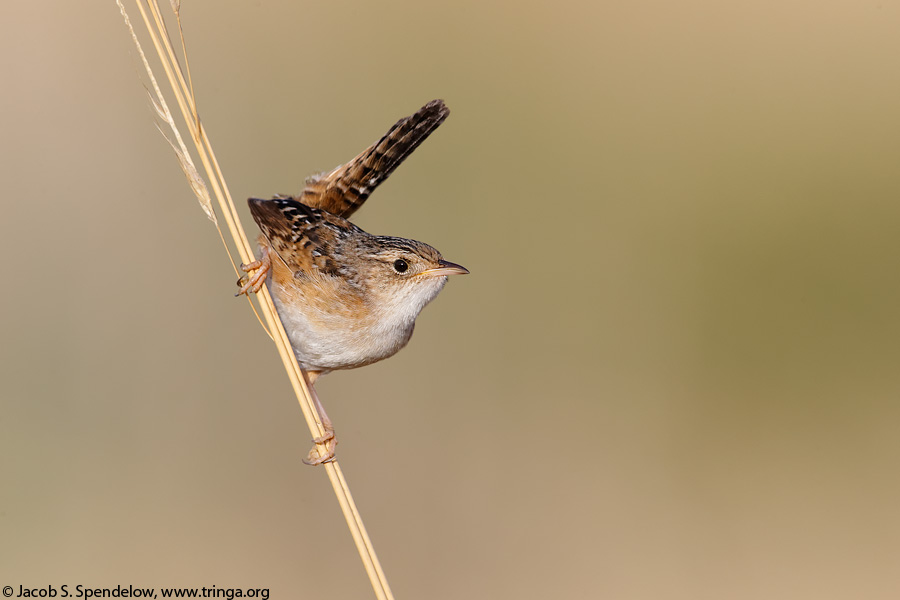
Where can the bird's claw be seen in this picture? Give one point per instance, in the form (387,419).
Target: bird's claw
(253,283)
(330,441)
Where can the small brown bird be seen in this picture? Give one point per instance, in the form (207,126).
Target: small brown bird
(346,298)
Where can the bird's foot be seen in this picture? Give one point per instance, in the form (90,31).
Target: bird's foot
(253,283)
(330,441)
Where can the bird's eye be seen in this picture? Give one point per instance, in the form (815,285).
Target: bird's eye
(401,265)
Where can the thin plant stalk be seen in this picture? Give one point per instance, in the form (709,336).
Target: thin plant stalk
(182,91)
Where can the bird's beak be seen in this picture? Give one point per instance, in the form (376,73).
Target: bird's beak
(446,268)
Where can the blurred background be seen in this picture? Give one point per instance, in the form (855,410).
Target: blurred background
(673,371)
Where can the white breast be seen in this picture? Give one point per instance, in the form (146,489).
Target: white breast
(339,339)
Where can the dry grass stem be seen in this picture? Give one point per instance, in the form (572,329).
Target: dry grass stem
(182,91)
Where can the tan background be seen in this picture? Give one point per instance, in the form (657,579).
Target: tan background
(673,372)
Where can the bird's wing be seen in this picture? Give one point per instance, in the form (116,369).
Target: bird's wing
(344,189)
(304,238)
